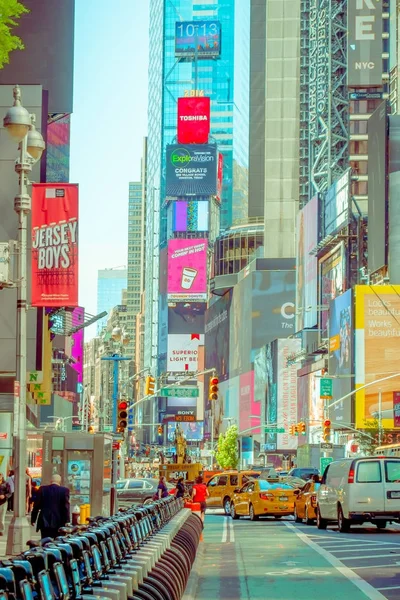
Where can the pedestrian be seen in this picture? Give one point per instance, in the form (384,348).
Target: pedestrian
(4,496)
(28,489)
(162,489)
(199,494)
(34,493)
(10,481)
(53,503)
(180,488)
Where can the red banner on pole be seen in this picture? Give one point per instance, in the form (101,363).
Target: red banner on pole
(54,244)
(193,120)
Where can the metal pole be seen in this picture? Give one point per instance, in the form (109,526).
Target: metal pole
(115,394)
(212,439)
(380,417)
(19,530)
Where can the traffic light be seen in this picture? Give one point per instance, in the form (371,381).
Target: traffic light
(122,416)
(326,431)
(302,426)
(90,429)
(213,388)
(149,386)
(160,430)
(296,429)
(291,430)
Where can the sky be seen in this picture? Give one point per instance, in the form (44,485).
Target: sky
(108,124)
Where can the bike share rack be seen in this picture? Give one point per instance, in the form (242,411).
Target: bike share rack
(143,553)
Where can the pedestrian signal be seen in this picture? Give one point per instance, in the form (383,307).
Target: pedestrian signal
(326,431)
(213,388)
(291,430)
(296,430)
(302,426)
(122,420)
(149,386)
(160,430)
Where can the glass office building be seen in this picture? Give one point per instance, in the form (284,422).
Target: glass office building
(226,81)
(110,283)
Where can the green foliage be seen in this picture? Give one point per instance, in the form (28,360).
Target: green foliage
(368,437)
(10,12)
(227,448)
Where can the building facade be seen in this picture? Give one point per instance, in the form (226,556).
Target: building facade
(110,286)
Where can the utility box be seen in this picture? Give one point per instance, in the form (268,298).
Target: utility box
(308,455)
(83,461)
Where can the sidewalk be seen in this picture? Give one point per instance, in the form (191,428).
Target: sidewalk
(3,539)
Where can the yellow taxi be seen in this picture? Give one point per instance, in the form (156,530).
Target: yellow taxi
(221,487)
(305,504)
(261,497)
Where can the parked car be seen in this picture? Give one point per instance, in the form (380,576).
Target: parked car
(303,472)
(139,490)
(221,488)
(354,491)
(260,497)
(305,504)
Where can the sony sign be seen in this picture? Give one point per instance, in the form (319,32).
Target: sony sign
(364,43)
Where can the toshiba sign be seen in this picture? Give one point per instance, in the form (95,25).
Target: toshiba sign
(193,120)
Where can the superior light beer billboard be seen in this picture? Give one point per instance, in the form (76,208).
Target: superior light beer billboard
(193,120)
(191,170)
(364,43)
(54,244)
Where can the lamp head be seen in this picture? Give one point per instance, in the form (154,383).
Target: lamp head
(35,142)
(17,120)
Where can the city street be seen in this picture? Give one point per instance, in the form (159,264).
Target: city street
(279,560)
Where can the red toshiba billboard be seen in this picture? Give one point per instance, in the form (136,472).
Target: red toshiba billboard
(193,120)
(54,244)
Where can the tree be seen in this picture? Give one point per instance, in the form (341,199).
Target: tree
(10,12)
(227,450)
(368,437)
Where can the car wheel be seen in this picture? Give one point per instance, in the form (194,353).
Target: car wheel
(296,516)
(148,501)
(380,524)
(227,506)
(253,516)
(307,518)
(233,512)
(343,523)
(321,523)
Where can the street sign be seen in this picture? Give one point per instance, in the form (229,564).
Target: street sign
(366,95)
(179,392)
(268,447)
(274,430)
(326,446)
(107,428)
(324,461)
(325,390)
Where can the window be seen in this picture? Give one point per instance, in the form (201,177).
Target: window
(223,480)
(135,485)
(392,468)
(233,480)
(250,487)
(213,482)
(358,147)
(121,485)
(369,472)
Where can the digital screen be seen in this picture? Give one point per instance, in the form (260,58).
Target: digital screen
(191,170)
(193,432)
(206,35)
(187,270)
(190,215)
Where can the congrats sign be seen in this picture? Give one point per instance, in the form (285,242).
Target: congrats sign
(54,245)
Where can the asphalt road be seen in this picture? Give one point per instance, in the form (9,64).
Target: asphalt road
(281,560)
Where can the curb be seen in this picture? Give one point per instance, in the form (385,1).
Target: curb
(193,581)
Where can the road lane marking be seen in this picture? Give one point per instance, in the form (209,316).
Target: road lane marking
(224,530)
(369,591)
(393,587)
(231,531)
(368,557)
(391,566)
(368,549)
(297,572)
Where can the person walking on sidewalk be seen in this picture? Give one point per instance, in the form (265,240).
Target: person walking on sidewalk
(10,481)
(53,503)
(5,493)
(200,494)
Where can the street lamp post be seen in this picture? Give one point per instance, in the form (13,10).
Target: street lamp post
(20,125)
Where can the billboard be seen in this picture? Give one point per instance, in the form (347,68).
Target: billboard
(191,170)
(197,39)
(193,431)
(220,176)
(341,332)
(187,270)
(217,335)
(190,215)
(394,193)
(307,265)
(286,376)
(377,334)
(337,201)
(249,409)
(332,278)
(57,149)
(364,43)
(54,244)
(182,352)
(193,120)
(377,156)
(186,317)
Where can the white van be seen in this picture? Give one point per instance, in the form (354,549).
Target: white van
(353,491)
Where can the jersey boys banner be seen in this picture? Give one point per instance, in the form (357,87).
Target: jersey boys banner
(193,120)
(54,244)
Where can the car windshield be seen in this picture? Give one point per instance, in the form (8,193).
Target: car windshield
(121,485)
(272,485)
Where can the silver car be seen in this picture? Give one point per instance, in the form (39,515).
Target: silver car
(139,490)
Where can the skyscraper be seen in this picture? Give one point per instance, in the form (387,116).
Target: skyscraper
(110,283)
(226,82)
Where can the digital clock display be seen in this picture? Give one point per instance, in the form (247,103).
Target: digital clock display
(205,36)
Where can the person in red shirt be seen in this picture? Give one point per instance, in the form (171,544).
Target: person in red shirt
(199,494)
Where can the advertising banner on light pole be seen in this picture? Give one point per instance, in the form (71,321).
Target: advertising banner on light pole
(191,170)
(187,270)
(364,43)
(54,244)
(193,120)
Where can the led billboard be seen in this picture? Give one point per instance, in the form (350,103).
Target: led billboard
(364,43)
(187,270)
(307,265)
(217,335)
(377,334)
(193,120)
(193,431)
(186,317)
(332,283)
(341,334)
(377,163)
(394,193)
(249,409)
(190,215)
(337,201)
(191,170)
(197,39)
(286,376)
(182,354)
